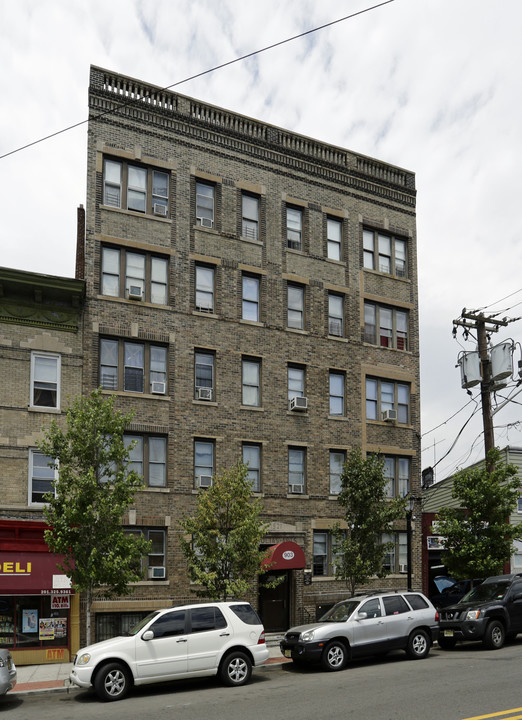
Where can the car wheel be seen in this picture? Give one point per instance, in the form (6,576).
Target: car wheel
(446,643)
(113,682)
(494,636)
(418,645)
(334,656)
(236,669)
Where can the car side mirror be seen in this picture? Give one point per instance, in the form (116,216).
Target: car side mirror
(362,616)
(147,635)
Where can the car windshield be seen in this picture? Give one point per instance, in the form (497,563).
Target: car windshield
(141,624)
(486,591)
(340,612)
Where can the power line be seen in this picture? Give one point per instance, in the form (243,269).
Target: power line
(450,418)
(201,74)
(502,300)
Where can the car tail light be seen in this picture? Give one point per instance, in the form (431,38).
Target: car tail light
(261,640)
(436,616)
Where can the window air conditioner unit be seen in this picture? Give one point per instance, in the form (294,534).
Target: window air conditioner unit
(160,209)
(135,292)
(205,308)
(205,222)
(158,388)
(299,403)
(296,489)
(156,573)
(389,415)
(403,568)
(335,327)
(204,481)
(204,393)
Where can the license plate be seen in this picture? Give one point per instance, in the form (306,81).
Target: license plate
(288,653)
(448,633)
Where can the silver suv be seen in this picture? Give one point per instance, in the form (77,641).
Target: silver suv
(223,638)
(365,625)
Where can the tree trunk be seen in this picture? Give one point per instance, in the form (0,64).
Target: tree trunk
(88,616)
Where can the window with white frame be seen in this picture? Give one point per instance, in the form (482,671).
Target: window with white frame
(133,367)
(385,326)
(296,381)
(335,315)
(337,460)
(296,470)
(204,451)
(251,382)
(336,392)
(205,288)
(250,216)
(296,307)
(148,458)
(325,553)
(205,204)
(154,564)
(252,459)
(397,474)
(334,236)
(517,557)
(42,477)
(136,188)
(250,298)
(294,228)
(204,363)
(45,380)
(519,504)
(396,557)
(387,399)
(137,276)
(384,253)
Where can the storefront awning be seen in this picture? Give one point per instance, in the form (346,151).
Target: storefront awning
(26,573)
(286,555)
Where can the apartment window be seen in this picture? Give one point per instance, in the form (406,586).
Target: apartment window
(204,288)
(296,307)
(336,388)
(250,216)
(136,188)
(517,557)
(386,395)
(334,238)
(385,253)
(251,382)
(396,558)
(203,462)
(156,565)
(45,380)
(294,228)
(397,474)
(133,367)
(519,504)
(337,460)
(296,470)
(296,382)
(335,315)
(325,553)
(148,457)
(137,276)
(204,375)
(205,204)
(252,459)
(250,298)
(385,326)
(41,477)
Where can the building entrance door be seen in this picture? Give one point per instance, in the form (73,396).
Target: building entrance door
(274,603)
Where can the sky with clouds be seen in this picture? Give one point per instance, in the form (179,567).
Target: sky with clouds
(433,86)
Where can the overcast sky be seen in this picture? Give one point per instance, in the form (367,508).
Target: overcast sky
(433,86)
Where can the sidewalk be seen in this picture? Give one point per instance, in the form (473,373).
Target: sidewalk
(54,678)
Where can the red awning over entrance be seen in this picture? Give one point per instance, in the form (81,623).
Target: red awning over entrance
(286,555)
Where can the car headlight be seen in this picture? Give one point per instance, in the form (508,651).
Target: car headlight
(473,614)
(4,663)
(83,659)
(307,636)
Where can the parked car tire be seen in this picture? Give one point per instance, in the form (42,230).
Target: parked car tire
(334,656)
(113,682)
(495,635)
(418,645)
(446,643)
(235,669)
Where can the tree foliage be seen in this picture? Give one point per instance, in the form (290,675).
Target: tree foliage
(93,490)
(478,539)
(222,537)
(368,513)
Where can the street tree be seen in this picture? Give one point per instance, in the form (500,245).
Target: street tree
(93,490)
(368,514)
(477,537)
(221,539)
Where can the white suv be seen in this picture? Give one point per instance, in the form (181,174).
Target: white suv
(224,638)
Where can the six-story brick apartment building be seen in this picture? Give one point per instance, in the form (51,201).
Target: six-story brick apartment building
(251,293)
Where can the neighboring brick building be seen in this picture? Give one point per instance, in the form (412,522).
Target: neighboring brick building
(250,293)
(40,368)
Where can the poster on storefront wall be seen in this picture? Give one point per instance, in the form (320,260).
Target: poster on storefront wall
(46,627)
(60,628)
(30,621)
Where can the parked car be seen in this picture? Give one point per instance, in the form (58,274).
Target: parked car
(364,625)
(450,591)
(223,638)
(7,672)
(490,612)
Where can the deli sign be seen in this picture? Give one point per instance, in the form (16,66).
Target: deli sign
(32,573)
